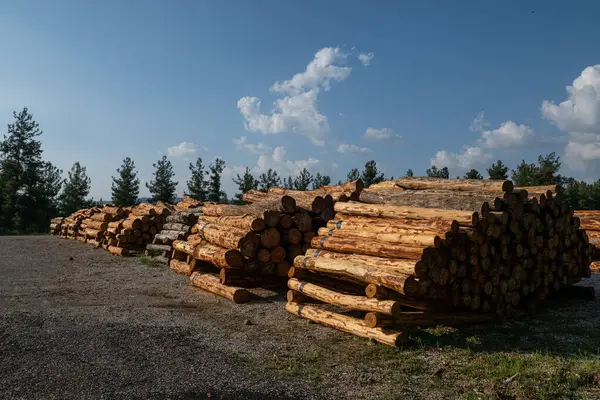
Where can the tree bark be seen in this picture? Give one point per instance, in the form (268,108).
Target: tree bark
(176,227)
(361,303)
(247,222)
(270,238)
(347,324)
(118,251)
(368,247)
(227,237)
(210,282)
(102,217)
(132,223)
(400,283)
(477,185)
(395,238)
(449,200)
(182,267)
(183,246)
(401,212)
(222,258)
(158,247)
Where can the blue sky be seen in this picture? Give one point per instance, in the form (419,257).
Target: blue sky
(408,84)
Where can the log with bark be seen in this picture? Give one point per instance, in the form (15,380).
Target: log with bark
(211,283)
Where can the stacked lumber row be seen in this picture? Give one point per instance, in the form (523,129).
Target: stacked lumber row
(589,220)
(401,266)
(131,230)
(71,225)
(178,226)
(55,225)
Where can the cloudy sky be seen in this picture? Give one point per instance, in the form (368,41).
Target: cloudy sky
(294,84)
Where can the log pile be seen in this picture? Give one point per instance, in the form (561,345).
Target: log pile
(589,220)
(234,247)
(71,225)
(55,225)
(401,266)
(178,226)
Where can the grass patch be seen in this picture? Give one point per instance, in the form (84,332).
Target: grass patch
(147,261)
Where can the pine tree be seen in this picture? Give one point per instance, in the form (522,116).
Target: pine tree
(434,172)
(409,173)
(197,185)
(215,192)
(370,175)
(162,188)
(268,180)
(126,186)
(353,175)
(76,188)
(245,183)
(473,174)
(28,184)
(339,182)
(321,180)
(303,180)
(544,173)
(498,171)
(288,183)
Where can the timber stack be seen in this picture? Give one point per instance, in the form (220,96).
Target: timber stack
(589,220)
(464,261)
(239,246)
(71,225)
(178,226)
(55,225)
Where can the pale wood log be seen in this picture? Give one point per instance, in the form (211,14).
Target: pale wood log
(178,218)
(195,239)
(103,217)
(183,246)
(118,251)
(346,324)
(94,242)
(402,238)
(341,284)
(360,303)
(449,200)
(113,210)
(93,233)
(98,225)
(376,224)
(368,247)
(424,183)
(116,224)
(406,267)
(305,199)
(182,267)
(282,204)
(248,222)
(158,247)
(390,211)
(227,237)
(176,227)
(210,282)
(132,223)
(221,257)
(403,284)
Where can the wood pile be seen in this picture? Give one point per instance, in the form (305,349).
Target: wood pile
(399,266)
(178,226)
(71,225)
(589,220)
(55,225)
(234,247)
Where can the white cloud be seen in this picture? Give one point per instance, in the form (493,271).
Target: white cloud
(243,145)
(366,58)
(381,134)
(183,150)
(479,123)
(471,156)
(334,166)
(346,148)
(284,167)
(296,110)
(508,135)
(579,116)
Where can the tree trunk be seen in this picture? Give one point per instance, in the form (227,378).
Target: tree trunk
(118,251)
(380,275)
(361,303)
(102,217)
(449,200)
(210,282)
(132,223)
(99,225)
(158,247)
(247,222)
(227,237)
(182,267)
(270,238)
(176,227)
(368,247)
(395,238)
(183,246)
(277,254)
(401,212)
(222,258)
(282,204)
(292,236)
(470,185)
(406,267)
(346,324)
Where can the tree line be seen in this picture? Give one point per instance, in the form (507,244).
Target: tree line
(33,190)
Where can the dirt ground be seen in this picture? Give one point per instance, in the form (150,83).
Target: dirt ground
(99,326)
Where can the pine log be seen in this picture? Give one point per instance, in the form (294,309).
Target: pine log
(161,260)
(476,185)
(94,242)
(303,219)
(158,247)
(282,204)
(195,240)
(407,239)
(169,235)
(132,223)
(210,282)
(116,224)
(263,255)
(340,284)
(93,233)
(227,237)
(286,221)
(178,218)
(277,254)
(270,238)
(182,267)
(304,199)
(222,258)
(402,212)
(292,236)
(361,303)
(368,247)
(347,324)
(176,227)
(98,225)
(247,222)
(113,210)
(183,246)
(403,284)
(118,251)
(449,200)
(375,224)
(102,217)
(406,267)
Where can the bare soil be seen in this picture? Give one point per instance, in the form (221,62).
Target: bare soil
(76,322)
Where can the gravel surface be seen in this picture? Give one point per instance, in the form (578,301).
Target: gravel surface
(103,326)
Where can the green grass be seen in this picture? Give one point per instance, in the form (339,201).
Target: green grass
(147,261)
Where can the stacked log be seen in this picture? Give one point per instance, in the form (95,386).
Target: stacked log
(55,225)
(403,266)
(71,226)
(589,221)
(178,226)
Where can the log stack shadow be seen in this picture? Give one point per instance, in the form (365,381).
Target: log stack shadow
(484,251)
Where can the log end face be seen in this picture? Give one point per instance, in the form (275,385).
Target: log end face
(241,296)
(507,186)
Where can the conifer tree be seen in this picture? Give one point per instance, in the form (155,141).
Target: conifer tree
(126,185)
(498,171)
(163,188)
(473,174)
(353,175)
(268,180)
(197,185)
(370,175)
(215,192)
(321,180)
(76,188)
(303,180)
(245,183)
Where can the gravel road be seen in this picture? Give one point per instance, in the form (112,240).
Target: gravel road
(76,322)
